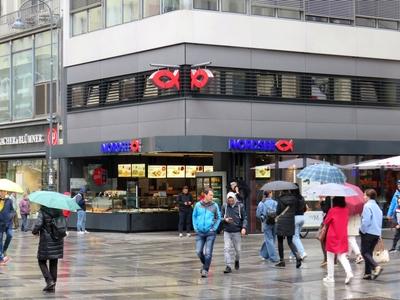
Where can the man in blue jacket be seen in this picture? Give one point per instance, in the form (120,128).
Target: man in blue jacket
(206,218)
(393,204)
(7,213)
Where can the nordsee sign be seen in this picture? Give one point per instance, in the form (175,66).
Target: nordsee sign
(121,146)
(261,145)
(22,139)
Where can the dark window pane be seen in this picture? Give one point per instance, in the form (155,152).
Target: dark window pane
(205,4)
(366,22)
(319,88)
(289,14)
(263,11)
(385,24)
(340,21)
(317,19)
(40,98)
(236,6)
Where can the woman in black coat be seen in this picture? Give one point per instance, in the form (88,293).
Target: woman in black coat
(286,211)
(49,248)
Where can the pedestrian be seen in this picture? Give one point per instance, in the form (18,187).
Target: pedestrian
(370,231)
(81,201)
(397,234)
(7,213)
(337,239)
(286,209)
(206,219)
(266,212)
(353,230)
(13,197)
(393,204)
(235,227)
(235,189)
(185,202)
(25,210)
(51,248)
(301,208)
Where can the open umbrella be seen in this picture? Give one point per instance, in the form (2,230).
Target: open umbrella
(391,162)
(355,203)
(332,189)
(10,186)
(323,173)
(279,186)
(54,200)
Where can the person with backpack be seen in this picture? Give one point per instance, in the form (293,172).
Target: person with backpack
(50,225)
(81,221)
(235,227)
(266,212)
(7,213)
(206,219)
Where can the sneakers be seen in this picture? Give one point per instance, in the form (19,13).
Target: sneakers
(227,270)
(81,232)
(280,264)
(359,259)
(349,277)
(188,235)
(376,272)
(392,250)
(367,277)
(298,263)
(328,280)
(86,231)
(304,256)
(180,235)
(237,265)
(204,273)
(50,287)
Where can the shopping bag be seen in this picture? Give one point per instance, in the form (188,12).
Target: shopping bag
(381,255)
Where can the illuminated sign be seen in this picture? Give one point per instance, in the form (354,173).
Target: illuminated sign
(22,139)
(261,145)
(132,146)
(166,79)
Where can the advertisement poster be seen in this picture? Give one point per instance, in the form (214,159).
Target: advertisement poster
(192,170)
(263,172)
(157,171)
(208,168)
(125,170)
(175,171)
(138,170)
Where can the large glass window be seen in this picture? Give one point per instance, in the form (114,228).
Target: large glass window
(236,6)
(79,22)
(22,85)
(151,8)
(95,18)
(43,56)
(5,82)
(263,11)
(113,12)
(205,4)
(131,10)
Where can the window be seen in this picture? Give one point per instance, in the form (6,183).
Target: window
(342,89)
(289,14)
(368,91)
(263,11)
(170,5)
(386,24)
(95,19)
(235,83)
(79,4)
(42,56)
(77,96)
(235,6)
(79,23)
(290,86)
(317,19)
(113,12)
(89,19)
(151,8)
(5,87)
(365,22)
(319,88)
(267,85)
(42,94)
(128,89)
(340,21)
(131,10)
(205,4)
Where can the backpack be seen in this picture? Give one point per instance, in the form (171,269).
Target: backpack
(271,217)
(58,228)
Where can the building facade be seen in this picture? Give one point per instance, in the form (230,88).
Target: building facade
(158,88)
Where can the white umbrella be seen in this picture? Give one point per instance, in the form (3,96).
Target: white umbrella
(332,189)
(297,163)
(391,162)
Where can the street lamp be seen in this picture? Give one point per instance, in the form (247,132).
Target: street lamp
(20,24)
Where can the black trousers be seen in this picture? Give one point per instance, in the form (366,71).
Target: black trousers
(49,273)
(396,238)
(368,243)
(291,246)
(185,217)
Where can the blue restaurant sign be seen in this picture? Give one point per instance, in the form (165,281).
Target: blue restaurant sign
(261,145)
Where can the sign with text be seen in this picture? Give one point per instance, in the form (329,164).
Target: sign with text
(261,145)
(22,139)
(132,146)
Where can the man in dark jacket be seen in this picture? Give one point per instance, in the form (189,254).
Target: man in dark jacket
(49,249)
(235,226)
(81,201)
(285,225)
(185,201)
(7,213)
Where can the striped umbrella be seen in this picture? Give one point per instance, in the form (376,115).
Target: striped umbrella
(323,173)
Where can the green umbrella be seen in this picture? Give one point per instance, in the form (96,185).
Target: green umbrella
(54,200)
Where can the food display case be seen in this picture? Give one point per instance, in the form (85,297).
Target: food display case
(214,180)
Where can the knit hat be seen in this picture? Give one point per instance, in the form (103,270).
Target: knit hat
(231,195)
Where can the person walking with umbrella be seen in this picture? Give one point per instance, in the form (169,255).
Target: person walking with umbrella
(7,213)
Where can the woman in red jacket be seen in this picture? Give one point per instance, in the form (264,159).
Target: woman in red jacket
(337,239)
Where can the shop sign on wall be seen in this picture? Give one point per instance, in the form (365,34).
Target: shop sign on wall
(261,145)
(132,146)
(166,79)
(22,139)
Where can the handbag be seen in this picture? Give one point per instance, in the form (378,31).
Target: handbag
(322,231)
(380,254)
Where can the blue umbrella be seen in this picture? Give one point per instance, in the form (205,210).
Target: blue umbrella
(323,173)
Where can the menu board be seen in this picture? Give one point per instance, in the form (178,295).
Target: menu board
(176,171)
(156,171)
(208,168)
(138,170)
(192,170)
(124,171)
(263,172)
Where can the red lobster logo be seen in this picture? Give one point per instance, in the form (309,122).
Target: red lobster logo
(166,79)
(285,145)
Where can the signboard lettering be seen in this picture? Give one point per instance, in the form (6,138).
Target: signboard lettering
(22,139)
(133,146)
(261,145)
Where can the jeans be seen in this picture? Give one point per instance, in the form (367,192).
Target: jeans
(9,234)
(24,226)
(268,249)
(80,226)
(368,243)
(343,260)
(204,247)
(185,217)
(299,222)
(232,247)
(49,274)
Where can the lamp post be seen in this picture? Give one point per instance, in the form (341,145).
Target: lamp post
(20,24)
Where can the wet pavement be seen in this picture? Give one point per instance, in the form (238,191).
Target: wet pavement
(164,266)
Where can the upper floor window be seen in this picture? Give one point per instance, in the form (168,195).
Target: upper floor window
(206,4)
(86,16)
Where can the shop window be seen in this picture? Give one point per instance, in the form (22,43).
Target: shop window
(342,89)
(289,14)
(386,24)
(319,88)
(317,19)
(235,6)
(290,86)
(263,11)
(205,4)
(151,8)
(170,5)
(113,12)
(5,86)
(79,22)
(365,22)
(42,94)
(131,10)
(267,85)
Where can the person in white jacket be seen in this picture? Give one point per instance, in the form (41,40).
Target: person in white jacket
(353,230)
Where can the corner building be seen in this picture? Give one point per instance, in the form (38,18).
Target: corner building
(285,80)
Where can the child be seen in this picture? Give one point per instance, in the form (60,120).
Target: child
(397,235)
